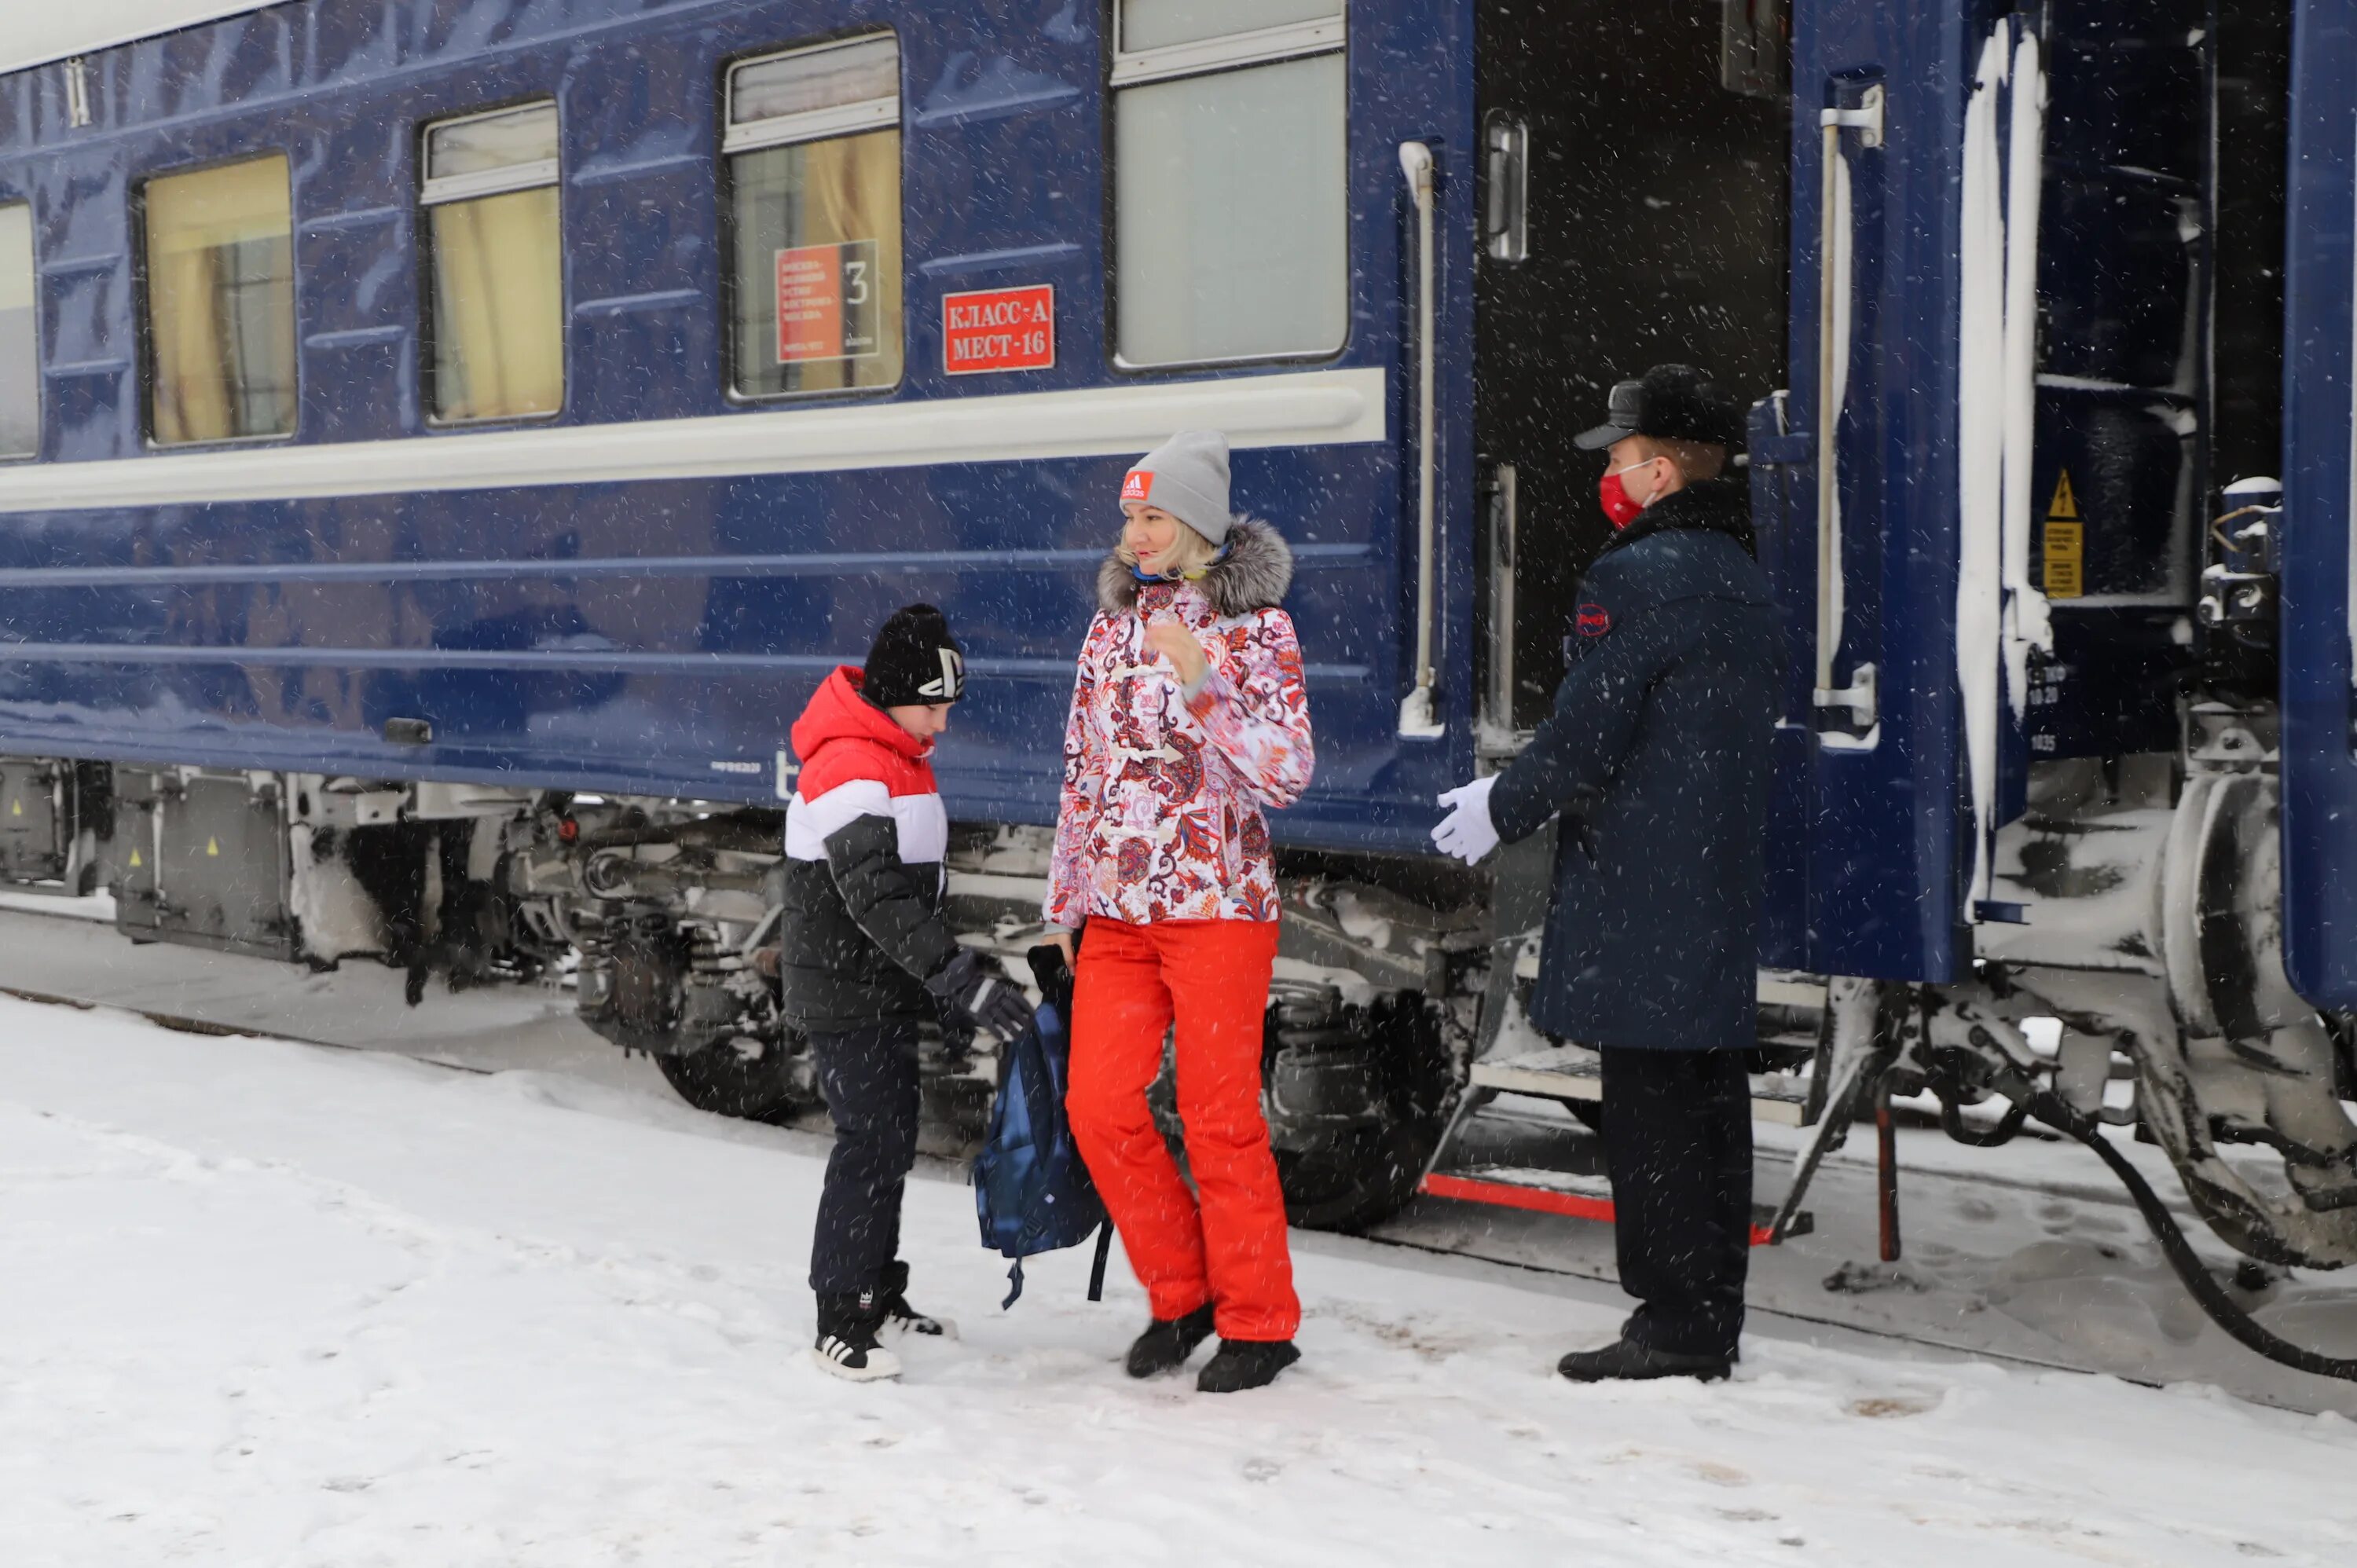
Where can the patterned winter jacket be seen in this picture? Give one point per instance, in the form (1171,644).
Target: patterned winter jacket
(1161,813)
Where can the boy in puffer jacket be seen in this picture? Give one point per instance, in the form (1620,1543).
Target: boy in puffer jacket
(1190,716)
(864,958)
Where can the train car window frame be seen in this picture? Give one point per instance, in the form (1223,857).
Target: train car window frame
(441,193)
(151,353)
(842,121)
(1235,52)
(31,370)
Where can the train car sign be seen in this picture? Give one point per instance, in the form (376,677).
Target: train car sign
(1000,330)
(827,302)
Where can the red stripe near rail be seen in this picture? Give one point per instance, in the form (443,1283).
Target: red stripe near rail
(1539,1201)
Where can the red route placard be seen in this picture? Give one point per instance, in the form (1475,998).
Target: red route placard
(827,307)
(1000,330)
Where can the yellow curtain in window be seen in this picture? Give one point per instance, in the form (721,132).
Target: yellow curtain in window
(851,190)
(221,302)
(499,307)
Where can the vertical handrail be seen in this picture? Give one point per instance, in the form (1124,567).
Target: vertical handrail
(1866,119)
(1418,720)
(1828,408)
(1504,518)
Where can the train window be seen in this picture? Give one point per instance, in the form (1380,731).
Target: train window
(812,146)
(20,360)
(495,346)
(220,302)
(1231,229)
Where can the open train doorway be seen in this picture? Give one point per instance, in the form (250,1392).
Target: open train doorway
(1636,165)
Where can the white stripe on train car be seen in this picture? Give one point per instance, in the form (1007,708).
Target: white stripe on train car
(1312,408)
(38,34)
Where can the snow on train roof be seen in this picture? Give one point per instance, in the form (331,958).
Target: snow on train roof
(47,33)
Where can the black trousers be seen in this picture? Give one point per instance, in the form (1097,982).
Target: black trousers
(870,1078)
(1677,1144)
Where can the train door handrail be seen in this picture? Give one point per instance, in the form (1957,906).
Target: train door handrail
(1417,719)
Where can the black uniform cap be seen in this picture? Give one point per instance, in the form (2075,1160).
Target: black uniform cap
(1670,403)
(915,661)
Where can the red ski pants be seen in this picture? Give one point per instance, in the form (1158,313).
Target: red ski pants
(1210,977)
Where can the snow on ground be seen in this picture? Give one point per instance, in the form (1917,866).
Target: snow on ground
(270,1303)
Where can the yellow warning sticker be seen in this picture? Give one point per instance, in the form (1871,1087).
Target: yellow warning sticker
(136,862)
(2066,501)
(2066,558)
(212,849)
(15,808)
(2066,544)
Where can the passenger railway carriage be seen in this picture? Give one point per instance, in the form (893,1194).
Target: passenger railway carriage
(443,442)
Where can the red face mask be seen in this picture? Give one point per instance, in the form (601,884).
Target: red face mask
(1621,507)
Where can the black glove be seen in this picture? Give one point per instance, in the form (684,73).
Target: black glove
(975,984)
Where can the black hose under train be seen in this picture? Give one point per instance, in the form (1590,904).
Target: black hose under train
(2224,1310)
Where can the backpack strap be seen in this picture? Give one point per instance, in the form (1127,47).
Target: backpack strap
(1097,1267)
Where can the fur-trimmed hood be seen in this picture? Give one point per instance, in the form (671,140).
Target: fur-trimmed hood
(1252,575)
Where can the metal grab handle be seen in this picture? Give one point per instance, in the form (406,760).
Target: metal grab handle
(1867,119)
(1417,721)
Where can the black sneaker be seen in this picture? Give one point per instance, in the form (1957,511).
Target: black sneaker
(899,1317)
(1246,1364)
(846,1339)
(1625,1360)
(1168,1342)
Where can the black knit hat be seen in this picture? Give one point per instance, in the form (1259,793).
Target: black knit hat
(915,659)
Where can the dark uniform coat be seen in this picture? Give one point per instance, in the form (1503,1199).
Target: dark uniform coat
(1657,758)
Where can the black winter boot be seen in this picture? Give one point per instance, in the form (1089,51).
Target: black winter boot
(899,1317)
(1246,1364)
(1625,1361)
(1168,1342)
(846,1339)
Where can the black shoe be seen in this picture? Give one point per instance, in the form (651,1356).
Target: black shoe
(1246,1364)
(899,1317)
(846,1339)
(1168,1342)
(1625,1360)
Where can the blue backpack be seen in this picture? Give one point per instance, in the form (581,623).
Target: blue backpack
(1031,1189)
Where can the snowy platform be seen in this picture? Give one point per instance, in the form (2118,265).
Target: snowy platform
(273,1304)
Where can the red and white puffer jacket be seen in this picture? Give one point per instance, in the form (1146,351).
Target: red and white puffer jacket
(862,927)
(1161,813)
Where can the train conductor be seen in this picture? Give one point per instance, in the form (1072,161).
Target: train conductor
(1656,760)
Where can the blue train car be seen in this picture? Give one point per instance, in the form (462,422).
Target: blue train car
(482,457)
(2067,728)
(443,442)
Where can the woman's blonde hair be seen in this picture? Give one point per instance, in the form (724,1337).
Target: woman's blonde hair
(1193,553)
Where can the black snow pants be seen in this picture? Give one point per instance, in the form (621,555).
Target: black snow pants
(1677,1145)
(869,1078)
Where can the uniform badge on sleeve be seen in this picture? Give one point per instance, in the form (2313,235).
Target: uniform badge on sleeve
(1595,620)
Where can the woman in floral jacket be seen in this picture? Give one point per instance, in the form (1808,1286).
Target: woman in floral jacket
(1188,716)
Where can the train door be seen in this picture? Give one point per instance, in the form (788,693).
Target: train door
(2320,532)
(1633,212)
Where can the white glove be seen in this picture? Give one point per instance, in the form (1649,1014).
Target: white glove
(1467,832)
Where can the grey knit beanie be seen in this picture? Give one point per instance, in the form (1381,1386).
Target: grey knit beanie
(1187,476)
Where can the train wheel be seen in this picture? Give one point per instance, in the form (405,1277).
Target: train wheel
(749,1080)
(1362,1180)
(1385,1069)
